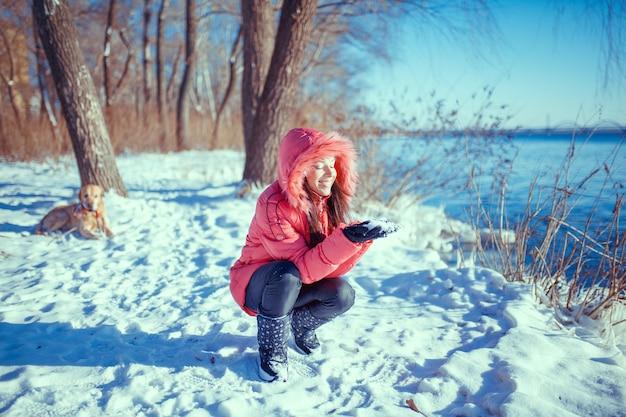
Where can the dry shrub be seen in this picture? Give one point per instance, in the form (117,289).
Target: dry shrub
(129,131)
(429,156)
(579,271)
(35,139)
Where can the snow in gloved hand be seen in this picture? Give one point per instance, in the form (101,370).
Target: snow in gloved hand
(369,230)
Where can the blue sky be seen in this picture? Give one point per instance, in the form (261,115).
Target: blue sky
(547,67)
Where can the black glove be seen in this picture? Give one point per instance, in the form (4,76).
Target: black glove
(362,232)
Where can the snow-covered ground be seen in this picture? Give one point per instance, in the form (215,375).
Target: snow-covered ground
(143,324)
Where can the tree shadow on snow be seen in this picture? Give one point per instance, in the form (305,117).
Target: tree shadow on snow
(208,195)
(59,344)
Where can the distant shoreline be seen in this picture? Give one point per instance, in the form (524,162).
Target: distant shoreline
(539,132)
(568,131)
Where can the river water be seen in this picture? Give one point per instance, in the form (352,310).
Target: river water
(542,160)
(595,177)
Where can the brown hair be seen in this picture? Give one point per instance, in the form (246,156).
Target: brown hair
(337,206)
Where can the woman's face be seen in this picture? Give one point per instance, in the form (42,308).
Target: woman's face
(321,176)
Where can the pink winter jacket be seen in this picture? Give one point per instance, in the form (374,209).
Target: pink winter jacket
(279,229)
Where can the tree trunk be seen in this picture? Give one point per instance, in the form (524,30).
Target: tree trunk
(161,88)
(17,102)
(258,36)
(147,57)
(106,67)
(232,75)
(111,90)
(40,60)
(182,116)
(77,94)
(279,92)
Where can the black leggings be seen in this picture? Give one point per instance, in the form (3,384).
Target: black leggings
(276,289)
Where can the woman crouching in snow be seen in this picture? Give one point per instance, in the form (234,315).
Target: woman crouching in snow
(298,247)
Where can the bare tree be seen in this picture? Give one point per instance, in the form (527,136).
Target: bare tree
(279,89)
(608,17)
(324,79)
(161,88)
(43,88)
(147,55)
(232,75)
(111,90)
(269,97)
(76,91)
(613,21)
(106,55)
(258,43)
(184,96)
(17,102)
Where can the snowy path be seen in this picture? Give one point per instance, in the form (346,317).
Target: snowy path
(144,325)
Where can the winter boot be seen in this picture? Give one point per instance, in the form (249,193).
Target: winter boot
(304,324)
(272,335)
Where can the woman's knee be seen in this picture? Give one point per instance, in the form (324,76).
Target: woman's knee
(287,275)
(273,288)
(336,297)
(281,290)
(345,296)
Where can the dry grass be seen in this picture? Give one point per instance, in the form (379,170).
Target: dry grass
(37,138)
(579,271)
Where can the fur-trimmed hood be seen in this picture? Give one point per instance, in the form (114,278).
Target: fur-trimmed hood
(299,149)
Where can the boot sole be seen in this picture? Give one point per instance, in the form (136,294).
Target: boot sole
(265,376)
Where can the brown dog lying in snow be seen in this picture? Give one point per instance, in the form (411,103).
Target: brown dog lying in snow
(88,217)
